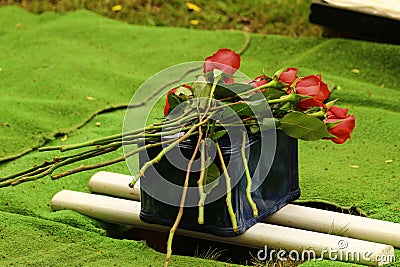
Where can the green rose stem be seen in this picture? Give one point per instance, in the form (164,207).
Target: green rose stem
(210,98)
(118,137)
(271,84)
(292,97)
(47,164)
(48,167)
(94,142)
(88,153)
(100,146)
(183,199)
(55,166)
(27,171)
(200,185)
(167,149)
(200,182)
(319,114)
(212,92)
(113,161)
(228,199)
(248,177)
(10,180)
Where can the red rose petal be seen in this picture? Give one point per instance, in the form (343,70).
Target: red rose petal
(225,60)
(288,76)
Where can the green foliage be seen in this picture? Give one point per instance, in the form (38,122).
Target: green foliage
(219,134)
(230,90)
(301,126)
(173,100)
(201,88)
(272,93)
(286,17)
(211,178)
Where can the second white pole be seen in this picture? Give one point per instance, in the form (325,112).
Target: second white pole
(291,215)
(294,243)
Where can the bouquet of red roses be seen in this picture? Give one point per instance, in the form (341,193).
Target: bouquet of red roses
(295,102)
(212,106)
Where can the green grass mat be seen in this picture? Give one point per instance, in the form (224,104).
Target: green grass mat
(58,70)
(27,241)
(61,69)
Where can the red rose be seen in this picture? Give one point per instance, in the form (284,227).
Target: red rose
(288,76)
(344,128)
(167,106)
(312,86)
(224,59)
(258,81)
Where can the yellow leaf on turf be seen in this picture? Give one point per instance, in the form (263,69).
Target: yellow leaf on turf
(64,138)
(193,7)
(116,8)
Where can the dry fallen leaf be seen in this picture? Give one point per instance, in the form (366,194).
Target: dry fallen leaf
(356,71)
(90,98)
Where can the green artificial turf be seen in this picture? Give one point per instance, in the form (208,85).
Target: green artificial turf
(28,241)
(59,70)
(65,68)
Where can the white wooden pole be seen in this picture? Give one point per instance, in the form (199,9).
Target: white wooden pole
(114,184)
(296,242)
(291,215)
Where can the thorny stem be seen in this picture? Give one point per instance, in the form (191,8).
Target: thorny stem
(210,97)
(271,84)
(200,185)
(103,145)
(212,92)
(228,199)
(87,152)
(55,166)
(83,144)
(27,171)
(248,177)
(47,164)
(284,98)
(182,204)
(166,150)
(118,137)
(10,181)
(110,162)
